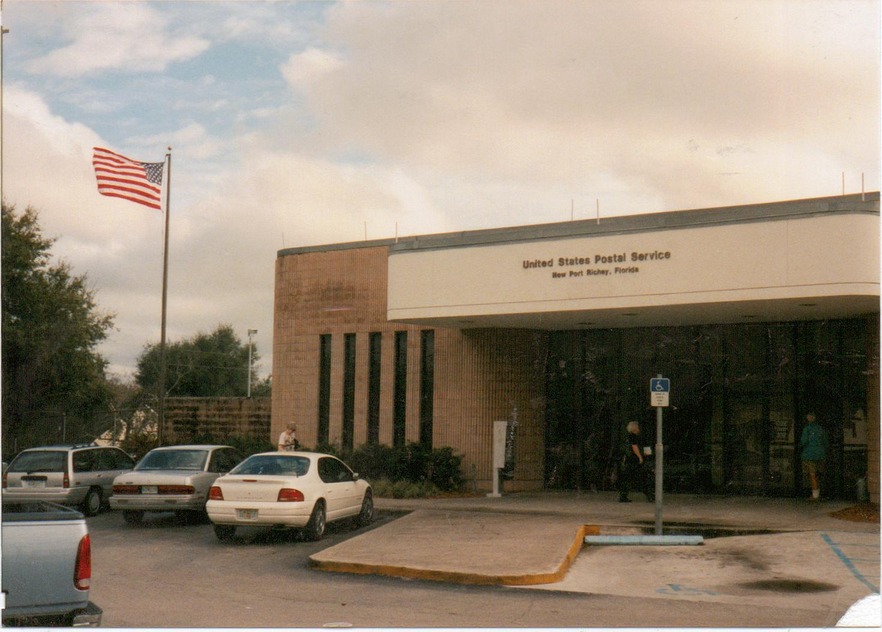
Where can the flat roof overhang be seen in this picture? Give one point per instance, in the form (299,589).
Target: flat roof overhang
(681,315)
(801,260)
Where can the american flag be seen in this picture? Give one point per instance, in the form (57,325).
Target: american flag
(122,177)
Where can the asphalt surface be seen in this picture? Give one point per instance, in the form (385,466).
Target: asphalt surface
(755,551)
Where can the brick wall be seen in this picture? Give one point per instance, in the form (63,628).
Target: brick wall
(481,375)
(220,417)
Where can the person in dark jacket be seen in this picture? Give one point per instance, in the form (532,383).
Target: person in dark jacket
(813,452)
(631,474)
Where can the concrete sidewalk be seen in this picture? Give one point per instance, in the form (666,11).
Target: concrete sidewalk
(757,551)
(533,538)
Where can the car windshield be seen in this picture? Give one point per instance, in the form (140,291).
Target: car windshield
(272,464)
(173,460)
(39,461)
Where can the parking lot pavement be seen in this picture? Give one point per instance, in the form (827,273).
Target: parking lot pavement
(823,572)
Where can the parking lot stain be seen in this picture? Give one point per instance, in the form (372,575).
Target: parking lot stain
(707,531)
(790,585)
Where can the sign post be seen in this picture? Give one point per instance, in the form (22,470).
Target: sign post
(659,395)
(498,465)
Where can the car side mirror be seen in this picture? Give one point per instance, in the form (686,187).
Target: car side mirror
(355,476)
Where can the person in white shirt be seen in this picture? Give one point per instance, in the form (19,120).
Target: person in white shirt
(288,438)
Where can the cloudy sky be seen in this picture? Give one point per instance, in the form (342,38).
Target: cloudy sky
(304,123)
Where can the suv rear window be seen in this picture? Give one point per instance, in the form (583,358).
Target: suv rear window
(39,461)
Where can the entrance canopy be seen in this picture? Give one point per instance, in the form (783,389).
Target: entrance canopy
(800,260)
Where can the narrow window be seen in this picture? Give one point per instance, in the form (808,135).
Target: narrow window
(374,372)
(399,412)
(324,399)
(348,391)
(427,385)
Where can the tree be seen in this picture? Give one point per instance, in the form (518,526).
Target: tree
(206,365)
(54,384)
(262,388)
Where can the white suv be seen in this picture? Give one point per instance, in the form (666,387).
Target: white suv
(78,475)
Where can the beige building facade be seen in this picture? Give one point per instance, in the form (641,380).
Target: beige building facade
(757,314)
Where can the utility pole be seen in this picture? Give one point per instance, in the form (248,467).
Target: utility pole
(251,332)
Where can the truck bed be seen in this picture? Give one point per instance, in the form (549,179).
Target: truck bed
(46,566)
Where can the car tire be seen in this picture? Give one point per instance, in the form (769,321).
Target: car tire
(315,528)
(132,516)
(366,515)
(92,502)
(225,532)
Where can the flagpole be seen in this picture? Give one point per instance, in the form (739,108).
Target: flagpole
(161,420)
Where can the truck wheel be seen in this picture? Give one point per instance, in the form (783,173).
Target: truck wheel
(133,517)
(92,502)
(224,532)
(315,528)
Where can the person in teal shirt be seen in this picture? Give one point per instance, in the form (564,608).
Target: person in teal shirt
(813,452)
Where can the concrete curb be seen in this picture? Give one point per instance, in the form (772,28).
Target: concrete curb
(645,540)
(458,577)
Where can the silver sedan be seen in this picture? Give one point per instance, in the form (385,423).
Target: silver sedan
(172,478)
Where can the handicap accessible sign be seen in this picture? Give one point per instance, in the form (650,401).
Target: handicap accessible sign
(659,392)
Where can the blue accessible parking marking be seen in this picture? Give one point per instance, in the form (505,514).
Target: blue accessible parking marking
(679,589)
(852,562)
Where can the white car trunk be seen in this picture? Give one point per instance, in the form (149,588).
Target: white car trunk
(252,489)
(157,477)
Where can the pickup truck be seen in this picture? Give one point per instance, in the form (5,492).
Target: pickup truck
(47,566)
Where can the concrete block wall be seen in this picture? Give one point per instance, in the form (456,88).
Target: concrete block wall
(190,417)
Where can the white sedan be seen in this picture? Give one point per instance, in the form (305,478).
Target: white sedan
(288,489)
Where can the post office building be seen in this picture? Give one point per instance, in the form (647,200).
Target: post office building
(757,315)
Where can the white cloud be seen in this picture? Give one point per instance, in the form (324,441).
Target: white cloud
(303,69)
(558,92)
(130,37)
(412,118)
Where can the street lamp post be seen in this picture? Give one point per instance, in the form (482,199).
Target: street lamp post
(251,332)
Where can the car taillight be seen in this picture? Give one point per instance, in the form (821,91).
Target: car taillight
(66,481)
(215,493)
(83,568)
(126,489)
(5,474)
(287,495)
(176,489)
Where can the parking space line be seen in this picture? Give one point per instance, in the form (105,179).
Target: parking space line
(849,563)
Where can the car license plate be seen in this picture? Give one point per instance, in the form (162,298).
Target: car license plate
(246,514)
(33,483)
(149,489)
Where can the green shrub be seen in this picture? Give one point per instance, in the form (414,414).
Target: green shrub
(437,469)
(384,488)
(445,469)
(372,461)
(409,489)
(328,448)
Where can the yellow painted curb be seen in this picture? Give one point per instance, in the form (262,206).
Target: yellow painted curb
(457,577)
